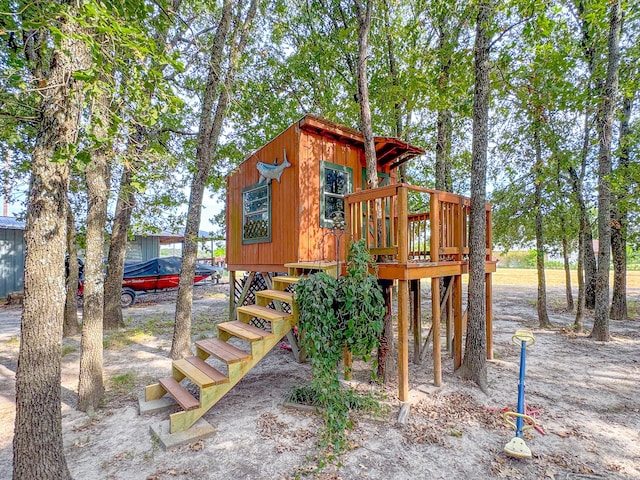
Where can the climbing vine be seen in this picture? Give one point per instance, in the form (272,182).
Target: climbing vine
(335,314)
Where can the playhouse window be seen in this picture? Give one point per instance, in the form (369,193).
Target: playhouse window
(256,213)
(335,182)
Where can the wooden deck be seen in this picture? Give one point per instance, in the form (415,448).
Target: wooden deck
(412,246)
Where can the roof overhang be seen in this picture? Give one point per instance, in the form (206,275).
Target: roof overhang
(389,150)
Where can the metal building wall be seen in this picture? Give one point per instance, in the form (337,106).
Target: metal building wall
(11,261)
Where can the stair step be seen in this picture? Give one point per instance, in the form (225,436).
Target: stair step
(193,373)
(300,268)
(211,372)
(179,393)
(222,350)
(244,331)
(268,295)
(283,281)
(266,313)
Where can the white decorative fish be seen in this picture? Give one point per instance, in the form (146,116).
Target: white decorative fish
(272,172)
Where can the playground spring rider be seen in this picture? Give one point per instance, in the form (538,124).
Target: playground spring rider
(516,446)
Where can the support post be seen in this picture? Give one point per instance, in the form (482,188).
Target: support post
(403,340)
(348,362)
(457,321)
(403,297)
(450,317)
(232,294)
(435,318)
(416,320)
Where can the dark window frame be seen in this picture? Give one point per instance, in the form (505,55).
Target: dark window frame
(266,238)
(325,222)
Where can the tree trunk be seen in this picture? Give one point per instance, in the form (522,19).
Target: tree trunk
(443,151)
(474,364)
(567,269)
(387,366)
(578,324)
(70,327)
(619,222)
(398,128)
(605,126)
(97,173)
(364,26)
(211,120)
(37,443)
(590,269)
(543,316)
(584,228)
(117,252)
(594,87)
(127,200)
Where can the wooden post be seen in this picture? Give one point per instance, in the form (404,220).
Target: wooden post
(348,362)
(243,295)
(435,318)
(416,320)
(232,294)
(434,216)
(403,340)
(449,316)
(457,321)
(403,298)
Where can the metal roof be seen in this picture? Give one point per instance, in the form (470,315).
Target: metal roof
(11,223)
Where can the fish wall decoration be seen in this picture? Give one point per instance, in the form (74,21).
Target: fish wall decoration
(272,172)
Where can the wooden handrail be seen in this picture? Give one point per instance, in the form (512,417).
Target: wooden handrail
(381,216)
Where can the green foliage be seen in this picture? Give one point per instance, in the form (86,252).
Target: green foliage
(336,314)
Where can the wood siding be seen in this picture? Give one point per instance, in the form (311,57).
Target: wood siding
(316,242)
(296,231)
(283,247)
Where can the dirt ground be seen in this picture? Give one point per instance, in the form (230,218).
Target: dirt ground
(585,394)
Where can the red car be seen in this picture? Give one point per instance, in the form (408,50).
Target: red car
(154,275)
(158,274)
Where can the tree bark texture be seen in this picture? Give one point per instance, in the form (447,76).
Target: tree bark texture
(112,316)
(398,128)
(125,205)
(363,11)
(211,121)
(619,222)
(605,126)
(567,269)
(443,150)
(474,365)
(97,173)
(583,238)
(37,444)
(387,366)
(594,88)
(543,316)
(578,323)
(70,326)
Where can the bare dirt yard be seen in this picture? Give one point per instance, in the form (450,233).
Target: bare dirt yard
(585,394)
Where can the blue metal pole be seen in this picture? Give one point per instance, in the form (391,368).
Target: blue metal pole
(520,420)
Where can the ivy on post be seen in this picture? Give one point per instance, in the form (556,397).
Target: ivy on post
(338,314)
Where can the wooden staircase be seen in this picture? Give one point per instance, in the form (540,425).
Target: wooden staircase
(212,384)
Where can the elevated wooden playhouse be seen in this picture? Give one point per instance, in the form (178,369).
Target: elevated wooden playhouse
(292,208)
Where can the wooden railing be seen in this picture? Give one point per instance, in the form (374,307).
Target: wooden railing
(382,217)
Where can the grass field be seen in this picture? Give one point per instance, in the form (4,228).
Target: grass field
(555,278)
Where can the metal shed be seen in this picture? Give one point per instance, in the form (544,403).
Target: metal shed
(11,255)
